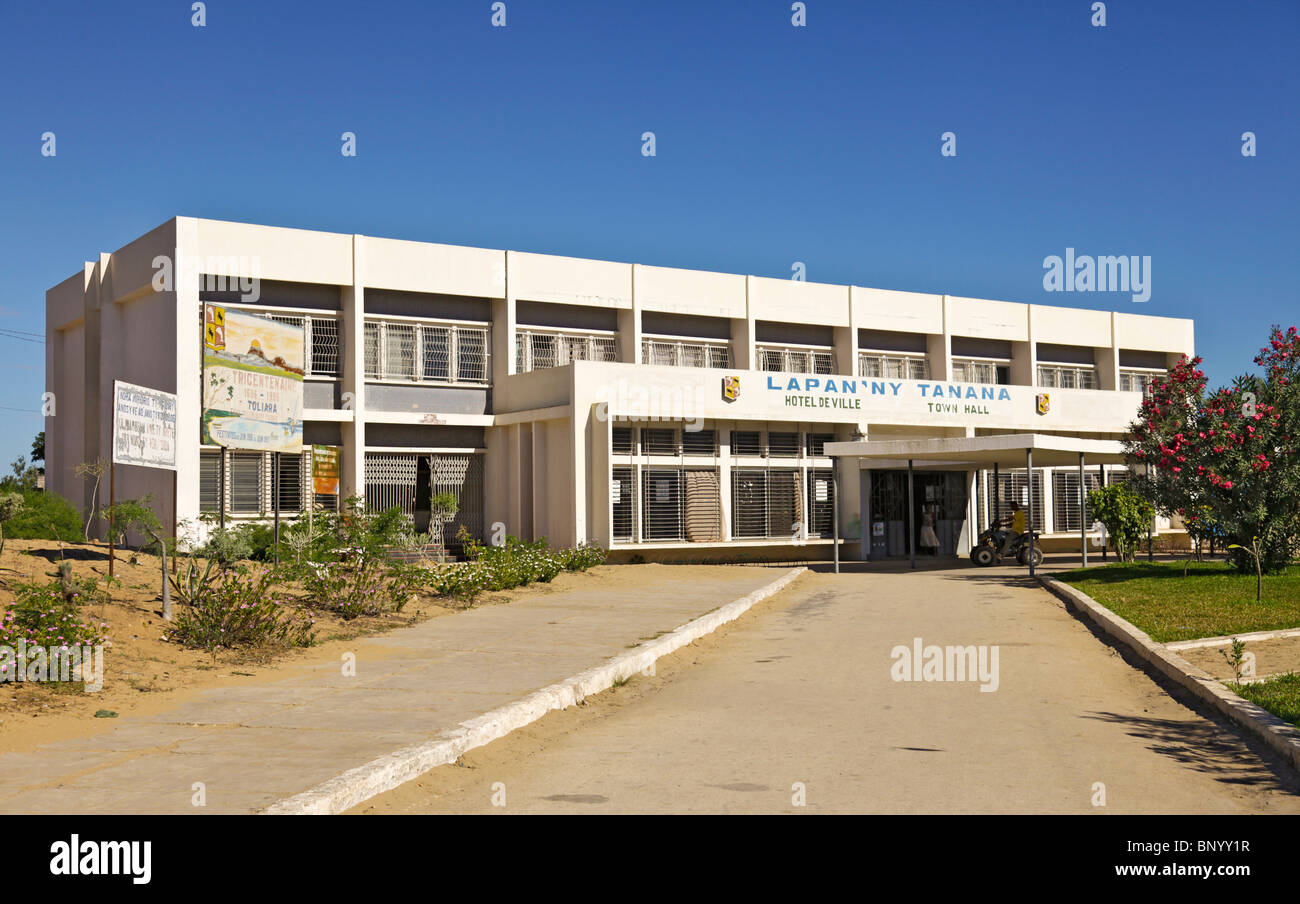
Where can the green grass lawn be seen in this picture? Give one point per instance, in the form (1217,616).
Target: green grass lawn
(1280,696)
(1212,601)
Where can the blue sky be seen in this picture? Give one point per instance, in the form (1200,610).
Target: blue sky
(775,144)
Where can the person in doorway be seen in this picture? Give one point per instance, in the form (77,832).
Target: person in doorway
(1016,527)
(929,539)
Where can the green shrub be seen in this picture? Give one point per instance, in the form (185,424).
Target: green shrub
(43,615)
(582,556)
(239,609)
(1126,514)
(45,516)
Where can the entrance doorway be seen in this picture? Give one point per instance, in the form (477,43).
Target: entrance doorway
(939,500)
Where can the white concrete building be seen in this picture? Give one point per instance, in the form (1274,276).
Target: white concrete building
(665,412)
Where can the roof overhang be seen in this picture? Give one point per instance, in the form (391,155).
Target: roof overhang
(1005,450)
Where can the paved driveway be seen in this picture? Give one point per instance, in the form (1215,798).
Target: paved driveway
(800,691)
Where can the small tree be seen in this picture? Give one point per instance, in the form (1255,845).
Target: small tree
(89,470)
(1127,516)
(138,516)
(442,508)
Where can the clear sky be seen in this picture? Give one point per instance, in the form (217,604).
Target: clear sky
(774,143)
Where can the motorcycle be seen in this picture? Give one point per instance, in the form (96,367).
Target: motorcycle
(988,549)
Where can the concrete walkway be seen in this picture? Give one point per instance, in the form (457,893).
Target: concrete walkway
(252,746)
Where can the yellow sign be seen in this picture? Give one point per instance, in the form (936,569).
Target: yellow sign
(1044,403)
(214,327)
(325,470)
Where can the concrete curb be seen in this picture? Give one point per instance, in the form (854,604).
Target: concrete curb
(1282,737)
(364,782)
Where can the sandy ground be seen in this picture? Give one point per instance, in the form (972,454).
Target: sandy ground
(1272,657)
(145,674)
(798,693)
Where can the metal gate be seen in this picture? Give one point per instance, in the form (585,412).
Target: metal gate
(392,478)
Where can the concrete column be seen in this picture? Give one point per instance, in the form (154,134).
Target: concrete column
(352,461)
(724,475)
(189,370)
(503,329)
(846,340)
(629,324)
(939,349)
(744,335)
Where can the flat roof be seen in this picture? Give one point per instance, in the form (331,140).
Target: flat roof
(1004,449)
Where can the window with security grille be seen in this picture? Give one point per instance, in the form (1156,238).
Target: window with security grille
(622,492)
(1056,376)
(1137,380)
(677,353)
(991,372)
(461,475)
(246,483)
(796,360)
(1065,498)
(320,336)
(766,503)
(821,502)
(622,442)
(699,442)
(899,367)
(399,351)
(662,504)
(783,444)
(289,482)
(391,480)
(424,352)
(746,442)
(816,442)
(209,480)
(1013,486)
(658,441)
(371,351)
(471,355)
(436,348)
(537,349)
(703,505)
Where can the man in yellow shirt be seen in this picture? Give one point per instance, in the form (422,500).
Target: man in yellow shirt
(1016,529)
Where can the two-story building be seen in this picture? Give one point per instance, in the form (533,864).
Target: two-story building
(657,411)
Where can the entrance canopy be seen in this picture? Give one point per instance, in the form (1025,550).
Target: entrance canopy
(1006,450)
(1012,450)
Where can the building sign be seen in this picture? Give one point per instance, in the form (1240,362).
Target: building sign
(731,388)
(325,470)
(847,393)
(252,381)
(144,426)
(1043,403)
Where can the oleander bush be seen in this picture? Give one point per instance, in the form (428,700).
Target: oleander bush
(46,615)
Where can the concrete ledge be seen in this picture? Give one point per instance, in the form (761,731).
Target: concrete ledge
(1282,737)
(364,782)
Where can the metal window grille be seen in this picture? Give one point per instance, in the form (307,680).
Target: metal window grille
(422,352)
(1065,498)
(703,505)
(662,504)
(536,349)
(209,480)
(289,482)
(390,480)
(821,502)
(783,444)
(1136,380)
(816,442)
(1053,376)
(622,493)
(900,367)
(746,442)
(977,372)
(623,442)
(247,482)
(1013,486)
(659,441)
(699,442)
(766,503)
(796,360)
(462,476)
(685,354)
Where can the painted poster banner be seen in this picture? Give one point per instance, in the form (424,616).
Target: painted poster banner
(252,381)
(144,426)
(325,470)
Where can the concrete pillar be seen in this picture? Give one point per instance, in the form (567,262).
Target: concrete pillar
(352,461)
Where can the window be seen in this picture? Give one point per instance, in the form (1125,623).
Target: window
(289,482)
(1137,380)
(699,442)
(899,367)
(661,504)
(209,480)
(816,442)
(746,442)
(320,342)
(658,441)
(537,349)
(796,360)
(421,352)
(246,482)
(1065,376)
(677,353)
(622,441)
(971,371)
(1065,498)
(1012,486)
(766,503)
(622,492)
(783,444)
(821,502)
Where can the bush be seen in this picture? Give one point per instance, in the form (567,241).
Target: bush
(1127,516)
(43,615)
(239,609)
(45,516)
(582,557)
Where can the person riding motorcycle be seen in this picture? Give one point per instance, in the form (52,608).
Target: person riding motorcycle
(1015,527)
